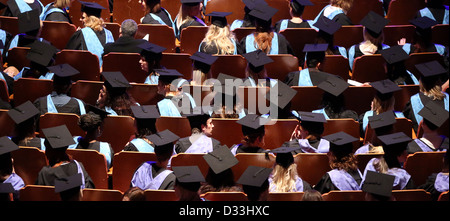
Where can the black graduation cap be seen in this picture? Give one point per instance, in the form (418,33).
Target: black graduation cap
(434,113)
(315,47)
(7,146)
(163,138)
(191,1)
(220,159)
(394,54)
(219,18)
(23,112)
(333,85)
(263,12)
(6,188)
(253,121)
(423,23)
(63,70)
(327,25)
(385,88)
(188,174)
(378,183)
(303,2)
(41,53)
(168,75)
(198,116)
(203,61)
(284,156)
(304,116)
(145,112)
(67,183)
(29,21)
(254,176)
(374,23)
(395,138)
(58,137)
(251,4)
(96,110)
(340,138)
(284,96)
(115,80)
(381,120)
(257,59)
(430,69)
(92,8)
(150,49)
(228,87)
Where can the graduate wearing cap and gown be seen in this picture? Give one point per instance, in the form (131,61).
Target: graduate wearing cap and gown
(378,186)
(430,91)
(187,16)
(382,102)
(126,43)
(326,29)
(69,188)
(310,76)
(145,118)
(255,182)
(437,183)
(155,175)
(91,38)
(307,136)
(25,116)
(394,147)
(41,56)
(433,118)
(255,71)
(332,105)
(435,10)
(373,37)
(201,63)
(219,33)
(61,166)
(156,15)
(151,55)
(345,174)
(92,124)
(15,7)
(336,13)
(281,174)
(253,131)
(200,140)
(5,38)
(8,176)
(396,69)
(382,124)
(252,42)
(296,8)
(59,100)
(248,21)
(114,97)
(187,183)
(53,13)
(423,38)
(175,101)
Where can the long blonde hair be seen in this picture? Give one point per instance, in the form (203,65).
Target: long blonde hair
(184,14)
(221,38)
(284,178)
(97,24)
(380,106)
(432,91)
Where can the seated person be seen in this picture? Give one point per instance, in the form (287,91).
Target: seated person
(248,21)
(151,56)
(326,29)
(296,8)
(253,131)
(187,183)
(255,72)
(395,58)
(15,7)
(201,67)
(145,118)
(337,11)
(422,41)
(155,14)
(57,11)
(381,124)
(437,183)
(126,43)
(155,175)
(219,40)
(25,116)
(8,176)
(188,16)
(41,56)
(435,10)
(255,183)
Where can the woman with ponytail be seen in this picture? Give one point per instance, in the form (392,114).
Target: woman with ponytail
(253,135)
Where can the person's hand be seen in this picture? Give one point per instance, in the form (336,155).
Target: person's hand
(295,134)
(402,41)
(101,97)
(445,86)
(11,71)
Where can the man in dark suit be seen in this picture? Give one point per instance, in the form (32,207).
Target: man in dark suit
(126,42)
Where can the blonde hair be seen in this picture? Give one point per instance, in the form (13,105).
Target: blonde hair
(380,165)
(370,44)
(97,24)
(435,92)
(346,5)
(284,179)
(62,3)
(380,106)
(184,14)
(263,41)
(221,38)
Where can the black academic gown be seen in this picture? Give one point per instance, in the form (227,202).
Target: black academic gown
(12,10)
(325,184)
(294,143)
(96,146)
(414,147)
(291,24)
(284,47)
(58,16)
(183,144)
(438,14)
(124,44)
(242,149)
(8,39)
(194,22)
(77,42)
(34,142)
(409,113)
(429,187)
(316,77)
(148,19)
(48,174)
(71,107)
(9,82)
(131,147)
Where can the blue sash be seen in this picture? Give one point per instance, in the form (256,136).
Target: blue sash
(24,7)
(158,19)
(411,75)
(330,16)
(143,177)
(46,11)
(82,174)
(322,111)
(236,24)
(342,180)
(304,79)
(250,44)
(441,183)
(343,51)
(401,176)
(167,108)
(284,24)
(425,12)
(93,44)
(15,41)
(152,79)
(417,105)
(48,76)
(142,145)
(111,111)
(370,113)
(51,108)
(324,146)
(2,38)
(3,78)
(106,151)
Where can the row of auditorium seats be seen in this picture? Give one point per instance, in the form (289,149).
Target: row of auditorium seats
(311,167)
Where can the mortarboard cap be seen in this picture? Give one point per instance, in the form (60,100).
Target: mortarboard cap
(381,120)
(303,2)
(385,88)
(29,21)
(96,110)
(191,1)
(58,137)
(253,121)
(311,117)
(63,72)
(423,23)
(327,25)
(257,59)
(378,183)
(394,138)
(219,18)
(254,176)
(333,85)
(340,138)
(7,146)
(203,61)
(374,23)
(251,4)
(67,183)
(41,53)
(188,174)
(162,138)
(23,112)
(6,188)
(198,116)
(145,112)
(430,69)
(284,155)
(227,83)
(168,75)
(394,54)
(92,8)
(285,94)
(220,159)
(434,114)
(151,49)
(315,47)
(263,12)
(115,80)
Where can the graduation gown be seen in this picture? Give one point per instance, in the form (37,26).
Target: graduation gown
(355,52)
(337,16)
(5,37)
(167,106)
(9,82)
(416,103)
(61,104)
(308,145)
(140,145)
(440,15)
(52,13)
(239,148)
(418,145)
(287,23)
(183,145)
(436,184)
(48,174)
(34,142)
(213,49)
(306,77)
(402,179)
(17,183)
(163,17)
(194,22)
(13,9)
(149,176)
(101,147)
(279,45)
(300,185)
(124,44)
(350,180)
